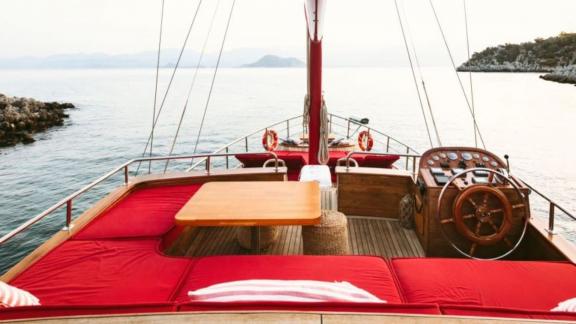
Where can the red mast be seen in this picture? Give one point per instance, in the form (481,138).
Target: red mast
(314,15)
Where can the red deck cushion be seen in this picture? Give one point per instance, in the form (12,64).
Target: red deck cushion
(529,285)
(30,312)
(506,312)
(379,161)
(146,212)
(369,273)
(104,272)
(313,307)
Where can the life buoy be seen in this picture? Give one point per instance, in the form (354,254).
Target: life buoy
(270,140)
(365,141)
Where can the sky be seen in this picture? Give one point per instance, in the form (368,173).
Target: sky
(352,28)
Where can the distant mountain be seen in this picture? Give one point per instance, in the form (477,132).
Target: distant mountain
(541,55)
(273,61)
(168,58)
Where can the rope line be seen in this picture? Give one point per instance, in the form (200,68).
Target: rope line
(430,111)
(171,79)
(156,84)
(193,83)
(470,73)
(214,78)
(456,72)
(413,73)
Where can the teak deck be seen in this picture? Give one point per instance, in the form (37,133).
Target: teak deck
(368,236)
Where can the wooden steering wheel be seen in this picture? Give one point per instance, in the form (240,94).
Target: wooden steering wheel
(482,214)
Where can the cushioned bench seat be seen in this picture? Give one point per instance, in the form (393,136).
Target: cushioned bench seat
(527,285)
(104,273)
(145,213)
(365,272)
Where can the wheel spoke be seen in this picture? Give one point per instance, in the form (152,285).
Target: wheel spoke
(473,249)
(518,206)
(493,225)
(468,216)
(495,211)
(446,221)
(485,200)
(478,226)
(472,202)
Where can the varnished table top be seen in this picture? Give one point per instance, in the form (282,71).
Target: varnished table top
(252,203)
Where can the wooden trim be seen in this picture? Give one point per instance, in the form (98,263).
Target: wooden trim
(117,195)
(556,241)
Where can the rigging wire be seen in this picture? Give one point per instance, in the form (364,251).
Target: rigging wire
(470,74)
(421,77)
(413,73)
(456,72)
(193,82)
(213,78)
(171,79)
(156,84)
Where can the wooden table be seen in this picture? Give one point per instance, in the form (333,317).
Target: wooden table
(253,203)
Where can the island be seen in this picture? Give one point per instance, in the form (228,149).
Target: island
(22,117)
(273,61)
(555,56)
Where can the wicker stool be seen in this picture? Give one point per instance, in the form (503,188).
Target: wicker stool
(330,237)
(268,235)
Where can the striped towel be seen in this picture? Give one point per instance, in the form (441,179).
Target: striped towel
(11,296)
(566,306)
(283,290)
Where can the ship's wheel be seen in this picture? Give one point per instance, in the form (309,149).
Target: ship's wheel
(483,215)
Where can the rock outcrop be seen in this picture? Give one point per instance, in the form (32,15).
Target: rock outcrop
(554,55)
(20,118)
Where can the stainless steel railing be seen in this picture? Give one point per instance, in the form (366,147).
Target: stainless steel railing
(408,157)
(552,206)
(68,201)
(338,125)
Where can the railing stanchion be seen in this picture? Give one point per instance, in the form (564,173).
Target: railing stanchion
(387,144)
(414,167)
(126,174)
(246,142)
(227,159)
(348,130)
(407,159)
(208,165)
(287,128)
(330,122)
(551,217)
(68,215)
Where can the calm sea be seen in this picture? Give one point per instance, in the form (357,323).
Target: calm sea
(530,119)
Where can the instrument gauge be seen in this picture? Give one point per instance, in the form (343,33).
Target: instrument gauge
(443,155)
(452,156)
(430,162)
(435,158)
(476,155)
(494,164)
(467,156)
(485,159)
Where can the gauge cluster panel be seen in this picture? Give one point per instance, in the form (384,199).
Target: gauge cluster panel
(438,165)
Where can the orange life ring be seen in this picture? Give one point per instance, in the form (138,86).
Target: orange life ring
(365,141)
(270,140)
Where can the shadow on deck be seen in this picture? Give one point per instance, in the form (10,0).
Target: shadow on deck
(367,235)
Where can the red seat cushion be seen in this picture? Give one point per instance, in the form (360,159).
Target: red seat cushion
(146,212)
(379,161)
(457,310)
(529,285)
(313,307)
(368,273)
(104,272)
(255,160)
(30,312)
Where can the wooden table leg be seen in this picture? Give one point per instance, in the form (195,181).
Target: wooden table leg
(255,238)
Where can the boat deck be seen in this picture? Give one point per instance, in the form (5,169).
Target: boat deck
(367,235)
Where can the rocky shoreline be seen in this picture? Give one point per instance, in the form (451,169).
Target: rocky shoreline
(20,118)
(565,74)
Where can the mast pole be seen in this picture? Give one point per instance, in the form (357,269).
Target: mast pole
(315,80)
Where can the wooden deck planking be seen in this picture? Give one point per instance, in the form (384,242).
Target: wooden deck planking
(367,236)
